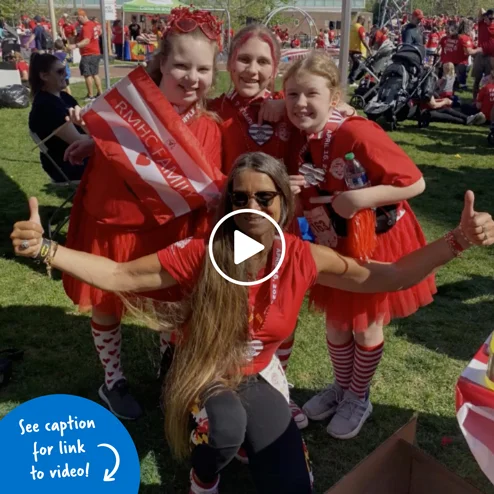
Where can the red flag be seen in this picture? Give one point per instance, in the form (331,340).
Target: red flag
(153,150)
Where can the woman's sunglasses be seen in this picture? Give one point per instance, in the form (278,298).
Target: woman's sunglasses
(187,25)
(60,71)
(263,198)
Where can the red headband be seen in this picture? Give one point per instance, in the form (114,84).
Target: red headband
(183,20)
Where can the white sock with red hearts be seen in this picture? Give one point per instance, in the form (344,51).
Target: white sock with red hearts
(108,343)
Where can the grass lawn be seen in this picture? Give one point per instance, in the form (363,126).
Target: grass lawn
(424,354)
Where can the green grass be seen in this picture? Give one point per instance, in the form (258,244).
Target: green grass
(423,358)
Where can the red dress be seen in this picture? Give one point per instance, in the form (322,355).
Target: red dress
(108,220)
(278,319)
(386,164)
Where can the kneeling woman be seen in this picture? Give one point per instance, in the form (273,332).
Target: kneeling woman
(225,373)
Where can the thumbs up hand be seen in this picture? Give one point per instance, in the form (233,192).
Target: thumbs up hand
(478,228)
(27,235)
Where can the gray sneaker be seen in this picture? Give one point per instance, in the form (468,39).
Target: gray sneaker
(350,416)
(120,401)
(324,404)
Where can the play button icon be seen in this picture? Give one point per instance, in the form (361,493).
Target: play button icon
(244,247)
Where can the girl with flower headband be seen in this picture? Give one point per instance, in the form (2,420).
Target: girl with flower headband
(107,219)
(354,322)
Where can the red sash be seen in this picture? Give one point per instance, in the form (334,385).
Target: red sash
(151,147)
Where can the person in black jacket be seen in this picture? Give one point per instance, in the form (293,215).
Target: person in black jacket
(412,34)
(47,78)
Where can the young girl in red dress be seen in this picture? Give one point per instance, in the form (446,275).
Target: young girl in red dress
(354,322)
(107,218)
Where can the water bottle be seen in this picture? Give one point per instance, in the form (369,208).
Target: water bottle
(355,174)
(361,238)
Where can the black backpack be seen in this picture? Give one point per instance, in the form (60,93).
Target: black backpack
(46,40)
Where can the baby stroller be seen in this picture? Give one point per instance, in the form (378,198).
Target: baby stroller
(10,42)
(405,79)
(369,73)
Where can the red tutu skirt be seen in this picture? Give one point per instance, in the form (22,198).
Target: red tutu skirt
(88,234)
(347,311)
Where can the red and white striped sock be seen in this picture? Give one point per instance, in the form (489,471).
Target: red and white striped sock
(366,361)
(284,352)
(108,343)
(342,357)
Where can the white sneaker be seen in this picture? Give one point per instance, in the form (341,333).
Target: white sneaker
(324,404)
(350,416)
(479,119)
(298,415)
(353,85)
(197,489)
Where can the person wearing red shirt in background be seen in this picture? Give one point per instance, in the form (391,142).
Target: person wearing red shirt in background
(448,45)
(482,64)
(331,33)
(88,44)
(295,42)
(465,49)
(320,41)
(380,37)
(46,25)
(118,36)
(31,24)
(60,25)
(485,100)
(432,42)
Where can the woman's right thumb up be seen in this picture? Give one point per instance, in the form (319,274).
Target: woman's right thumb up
(34,211)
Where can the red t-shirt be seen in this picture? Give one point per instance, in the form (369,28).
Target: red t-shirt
(235,131)
(433,41)
(449,48)
(32,25)
(486,100)
(331,36)
(21,67)
(90,31)
(117,34)
(121,208)
(320,42)
(297,274)
(461,55)
(295,43)
(384,161)
(361,32)
(68,29)
(486,38)
(380,38)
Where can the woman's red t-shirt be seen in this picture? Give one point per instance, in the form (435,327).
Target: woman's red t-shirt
(184,261)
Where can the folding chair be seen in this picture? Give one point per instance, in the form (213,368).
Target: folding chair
(55,227)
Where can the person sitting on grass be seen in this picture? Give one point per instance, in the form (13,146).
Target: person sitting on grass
(224,376)
(47,78)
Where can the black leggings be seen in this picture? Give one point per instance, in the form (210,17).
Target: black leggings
(448,115)
(256,417)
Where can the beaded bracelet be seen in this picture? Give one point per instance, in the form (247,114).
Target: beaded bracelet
(454,245)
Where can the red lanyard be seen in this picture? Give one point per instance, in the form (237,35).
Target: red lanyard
(257,318)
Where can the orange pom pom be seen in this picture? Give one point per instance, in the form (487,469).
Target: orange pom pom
(362,238)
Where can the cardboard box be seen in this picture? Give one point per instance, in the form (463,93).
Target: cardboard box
(397,466)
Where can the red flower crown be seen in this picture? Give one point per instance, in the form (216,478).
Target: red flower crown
(185,20)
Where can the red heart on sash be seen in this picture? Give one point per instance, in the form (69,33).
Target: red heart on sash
(143,160)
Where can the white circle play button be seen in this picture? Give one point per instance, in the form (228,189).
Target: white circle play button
(244,247)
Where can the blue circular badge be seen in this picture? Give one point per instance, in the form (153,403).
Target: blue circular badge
(66,444)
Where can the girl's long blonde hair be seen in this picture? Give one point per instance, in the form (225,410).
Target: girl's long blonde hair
(213,337)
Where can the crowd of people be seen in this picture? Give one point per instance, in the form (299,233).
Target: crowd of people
(225,348)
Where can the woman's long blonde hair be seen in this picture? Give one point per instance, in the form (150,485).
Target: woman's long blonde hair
(211,349)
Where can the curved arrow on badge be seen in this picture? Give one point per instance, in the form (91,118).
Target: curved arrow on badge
(109,476)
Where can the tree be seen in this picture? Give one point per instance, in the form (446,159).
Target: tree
(242,11)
